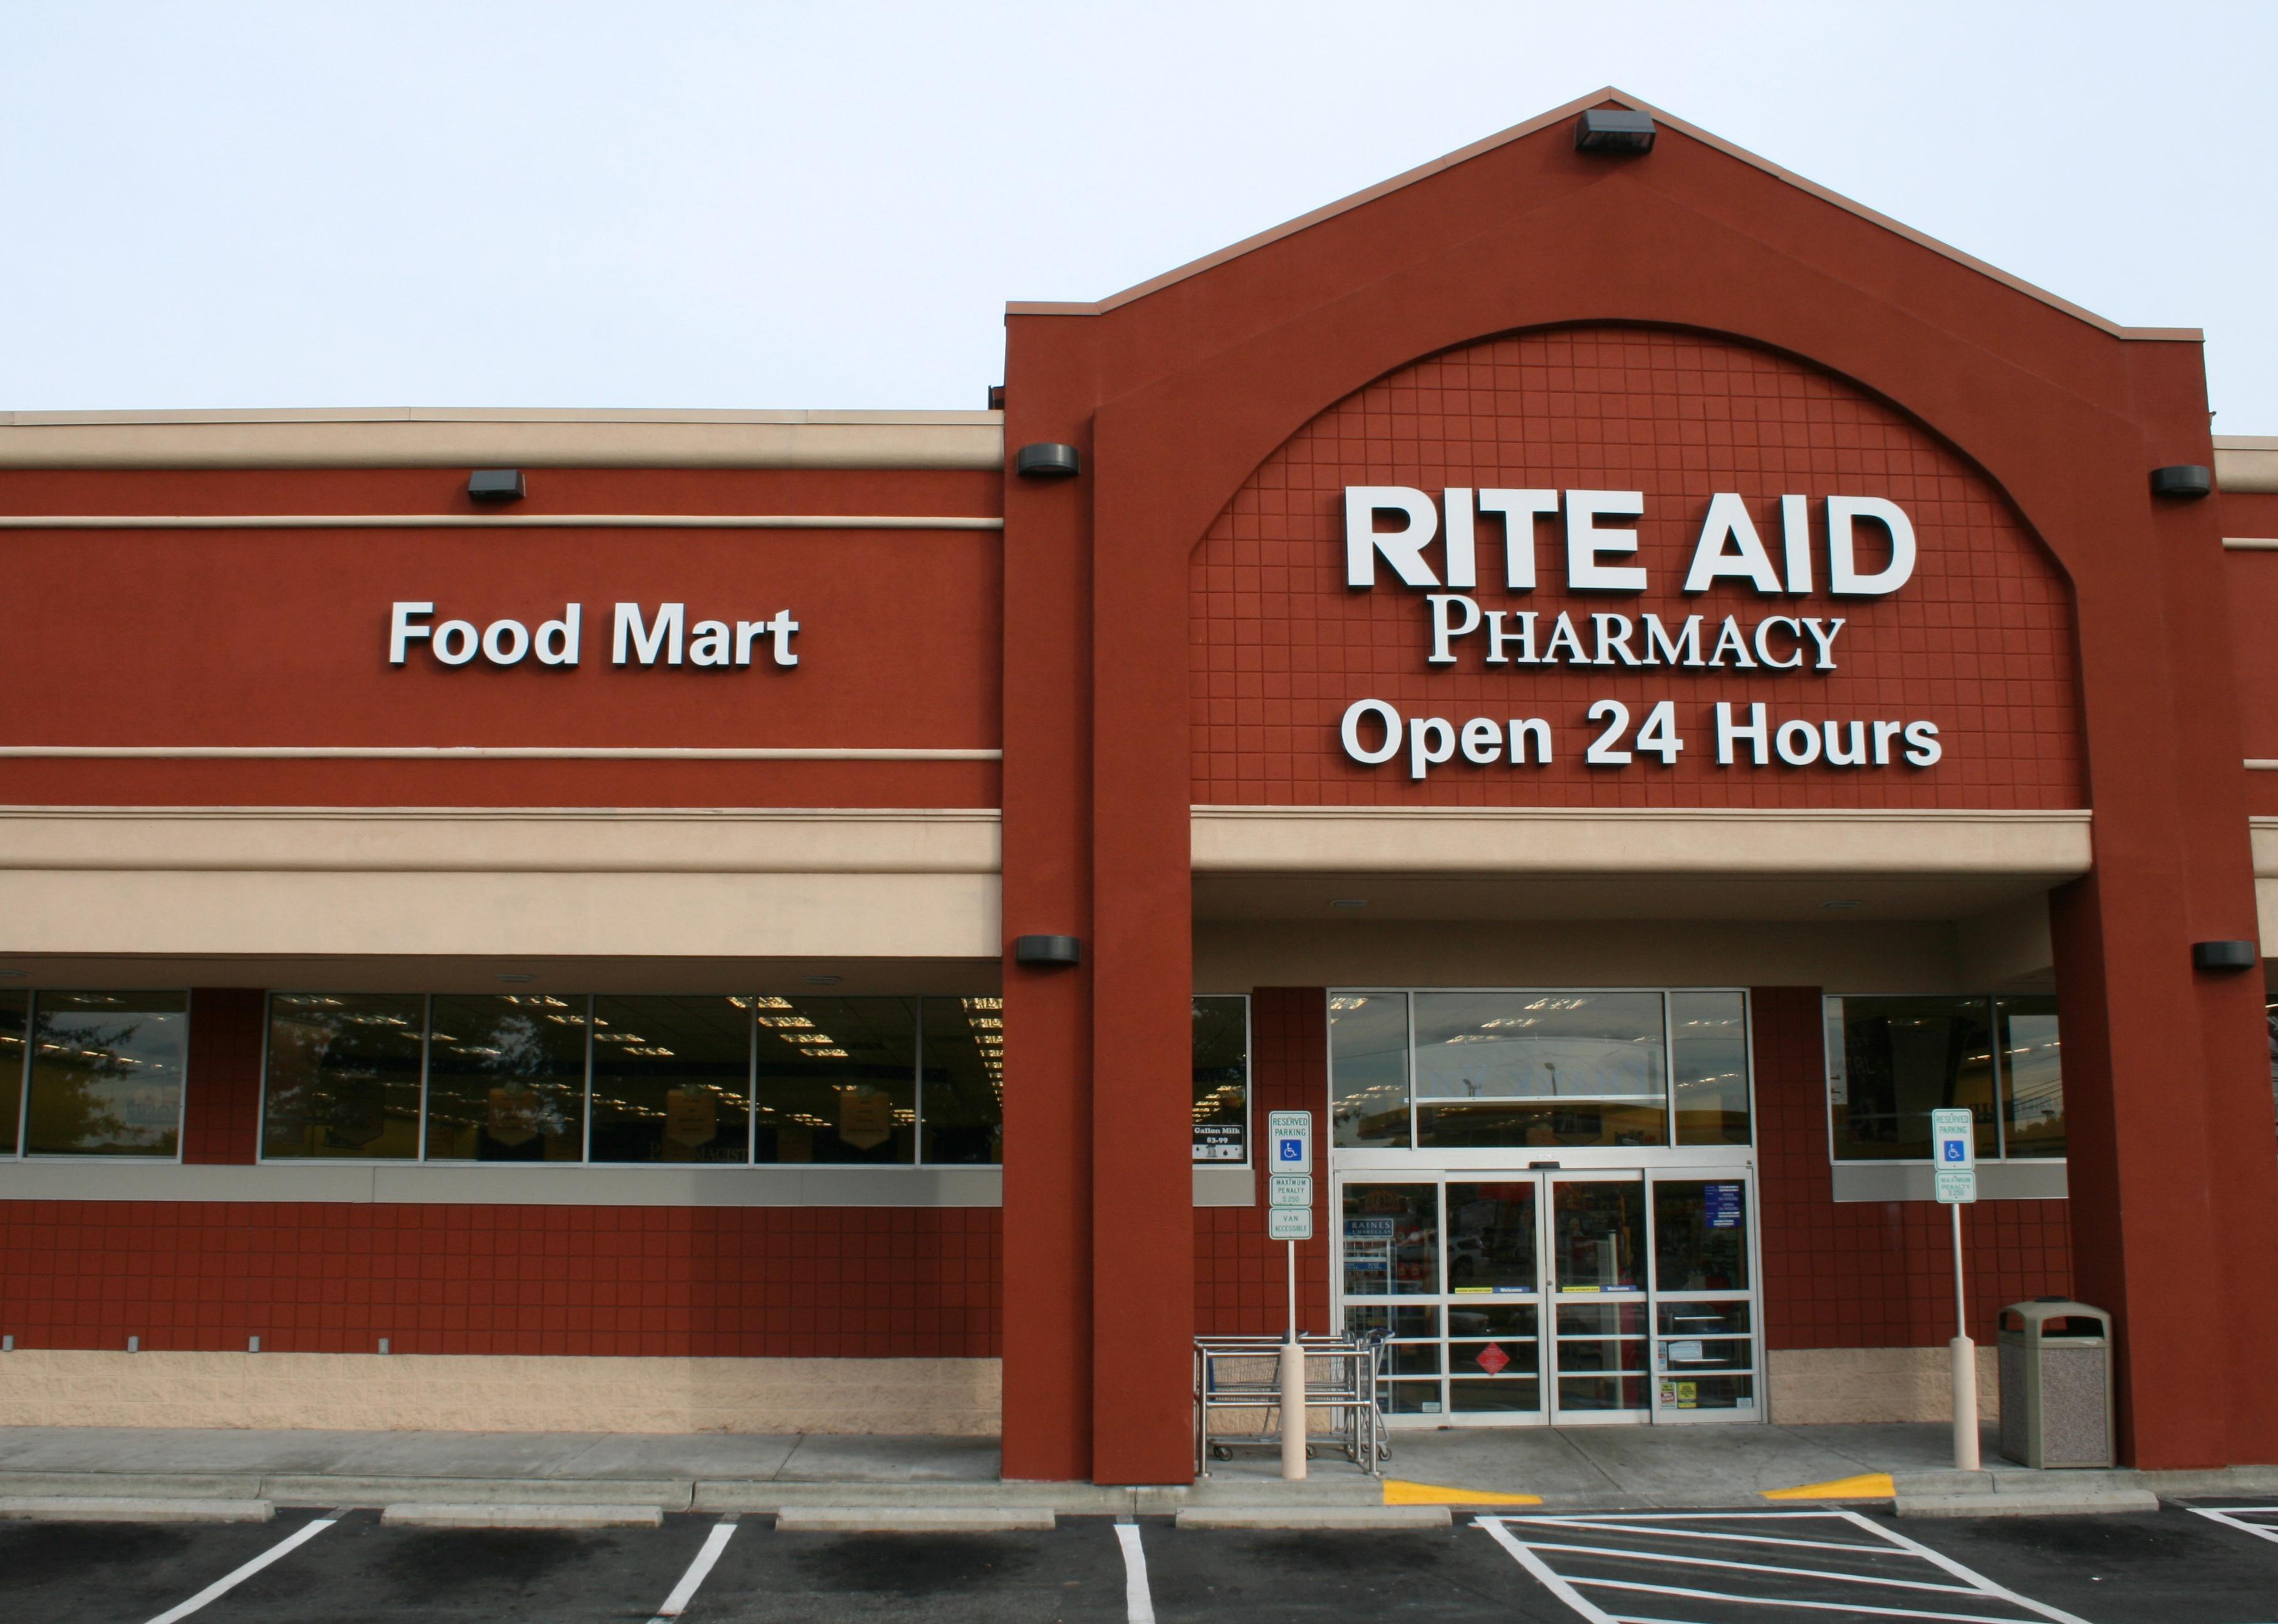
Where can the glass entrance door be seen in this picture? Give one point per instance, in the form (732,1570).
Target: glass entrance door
(1577,1298)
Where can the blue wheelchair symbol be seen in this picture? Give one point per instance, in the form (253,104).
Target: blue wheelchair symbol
(1953,1150)
(1293,1150)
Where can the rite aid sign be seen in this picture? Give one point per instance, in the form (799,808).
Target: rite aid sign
(1852,546)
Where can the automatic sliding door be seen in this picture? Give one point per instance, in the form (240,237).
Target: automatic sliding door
(1389,1235)
(1495,1299)
(1598,1298)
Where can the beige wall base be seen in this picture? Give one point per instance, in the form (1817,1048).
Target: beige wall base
(453,1393)
(1826,1386)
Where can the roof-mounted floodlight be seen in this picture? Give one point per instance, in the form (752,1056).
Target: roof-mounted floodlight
(2183,481)
(495,485)
(1621,132)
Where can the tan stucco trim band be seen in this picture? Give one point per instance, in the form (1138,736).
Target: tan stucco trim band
(1640,840)
(494,521)
(573,839)
(2251,544)
(420,437)
(483,753)
(2247,464)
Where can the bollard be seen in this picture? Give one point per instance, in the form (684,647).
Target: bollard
(1293,1412)
(1965,1403)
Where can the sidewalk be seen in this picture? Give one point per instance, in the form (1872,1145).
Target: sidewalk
(1578,1469)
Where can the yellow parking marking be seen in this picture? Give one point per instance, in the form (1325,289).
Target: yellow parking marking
(1397,1491)
(1867,1486)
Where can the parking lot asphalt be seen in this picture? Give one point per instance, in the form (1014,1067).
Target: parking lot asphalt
(1700,1567)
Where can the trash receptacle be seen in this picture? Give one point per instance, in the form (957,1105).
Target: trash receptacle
(2056,1384)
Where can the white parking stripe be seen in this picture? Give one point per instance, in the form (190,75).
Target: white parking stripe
(1781,1601)
(1138,1601)
(2056,1615)
(1550,1581)
(699,1570)
(2235,1517)
(229,1582)
(1681,1558)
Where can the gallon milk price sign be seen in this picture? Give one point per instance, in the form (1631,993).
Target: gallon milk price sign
(1953,1155)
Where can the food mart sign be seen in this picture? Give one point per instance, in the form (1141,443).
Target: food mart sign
(1860,547)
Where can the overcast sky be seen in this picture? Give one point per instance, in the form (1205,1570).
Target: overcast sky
(829,205)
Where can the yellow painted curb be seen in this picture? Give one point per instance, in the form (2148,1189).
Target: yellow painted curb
(1867,1486)
(1398,1492)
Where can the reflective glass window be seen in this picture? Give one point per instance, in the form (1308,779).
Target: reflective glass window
(506,1077)
(672,1079)
(343,1074)
(1392,1240)
(1699,1235)
(1491,1241)
(1368,1066)
(1521,1069)
(963,1093)
(838,1079)
(2032,1077)
(1893,1061)
(1221,1079)
(1708,1062)
(106,1074)
(15,1012)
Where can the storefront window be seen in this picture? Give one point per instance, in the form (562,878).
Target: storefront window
(672,1079)
(506,1077)
(1891,1061)
(1550,1068)
(838,1079)
(1368,1066)
(343,1074)
(15,1012)
(962,1087)
(1709,1054)
(106,1073)
(1221,1079)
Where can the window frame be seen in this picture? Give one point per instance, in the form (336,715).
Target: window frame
(1249,1085)
(1995,1057)
(24,1152)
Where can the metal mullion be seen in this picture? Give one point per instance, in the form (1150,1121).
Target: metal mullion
(1668,1074)
(751,1084)
(24,1080)
(917,1081)
(426,1054)
(1652,1272)
(586,1151)
(2001,1074)
(1408,1014)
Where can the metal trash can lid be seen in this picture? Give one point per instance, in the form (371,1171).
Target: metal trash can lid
(2055,1318)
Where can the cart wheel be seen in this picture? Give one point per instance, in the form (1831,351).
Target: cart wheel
(1309,1452)
(1219,1451)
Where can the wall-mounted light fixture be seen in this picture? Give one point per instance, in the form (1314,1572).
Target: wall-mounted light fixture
(2183,481)
(496,484)
(1049,952)
(2232,955)
(1047,459)
(1619,132)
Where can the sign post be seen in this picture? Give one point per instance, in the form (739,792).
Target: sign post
(1953,1164)
(1289,1185)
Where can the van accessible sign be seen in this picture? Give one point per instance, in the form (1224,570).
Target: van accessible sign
(1860,546)
(636,637)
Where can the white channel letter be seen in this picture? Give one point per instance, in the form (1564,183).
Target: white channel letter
(1462,555)
(557,640)
(1729,733)
(454,641)
(505,642)
(1349,731)
(1745,559)
(401,631)
(1442,632)
(1402,549)
(1844,578)
(647,641)
(1519,510)
(1795,536)
(1586,543)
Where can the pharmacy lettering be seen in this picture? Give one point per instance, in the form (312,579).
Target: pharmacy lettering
(638,637)
(1730,552)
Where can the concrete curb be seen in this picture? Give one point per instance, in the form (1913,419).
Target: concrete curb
(1351,1517)
(323,1490)
(437,1514)
(913,1519)
(126,1508)
(2033,1503)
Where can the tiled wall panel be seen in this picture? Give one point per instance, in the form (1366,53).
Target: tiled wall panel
(334,1278)
(1979,641)
(1241,1279)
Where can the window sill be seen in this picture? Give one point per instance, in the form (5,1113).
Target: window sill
(1914,1181)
